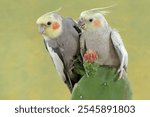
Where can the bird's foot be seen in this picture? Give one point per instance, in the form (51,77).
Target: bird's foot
(120,72)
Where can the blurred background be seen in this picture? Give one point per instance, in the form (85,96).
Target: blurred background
(26,70)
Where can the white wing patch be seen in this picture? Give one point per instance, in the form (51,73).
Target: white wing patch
(57,62)
(121,51)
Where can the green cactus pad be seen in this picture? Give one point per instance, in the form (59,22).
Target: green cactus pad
(102,85)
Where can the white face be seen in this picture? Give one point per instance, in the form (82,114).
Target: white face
(50,25)
(89,21)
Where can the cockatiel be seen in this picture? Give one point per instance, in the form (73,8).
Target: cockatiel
(61,38)
(99,36)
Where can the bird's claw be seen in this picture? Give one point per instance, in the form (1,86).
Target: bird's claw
(120,72)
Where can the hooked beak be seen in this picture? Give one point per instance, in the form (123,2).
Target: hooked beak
(41,28)
(81,24)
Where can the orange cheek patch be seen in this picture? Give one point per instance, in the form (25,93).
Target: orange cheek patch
(97,23)
(55,25)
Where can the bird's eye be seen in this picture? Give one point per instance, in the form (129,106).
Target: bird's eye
(90,20)
(48,23)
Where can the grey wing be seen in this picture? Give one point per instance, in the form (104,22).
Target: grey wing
(76,31)
(82,46)
(82,39)
(120,49)
(57,61)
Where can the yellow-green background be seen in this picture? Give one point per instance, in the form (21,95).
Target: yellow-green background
(26,70)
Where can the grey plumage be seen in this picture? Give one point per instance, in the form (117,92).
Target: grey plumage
(99,36)
(63,47)
(101,43)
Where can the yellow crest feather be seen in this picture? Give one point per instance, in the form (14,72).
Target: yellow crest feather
(99,10)
(44,17)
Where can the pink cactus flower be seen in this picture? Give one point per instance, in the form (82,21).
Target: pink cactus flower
(90,56)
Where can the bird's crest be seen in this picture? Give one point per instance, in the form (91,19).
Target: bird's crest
(99,10)
(57,10)
(40,19)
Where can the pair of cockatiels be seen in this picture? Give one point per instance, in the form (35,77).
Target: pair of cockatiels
(67,41)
